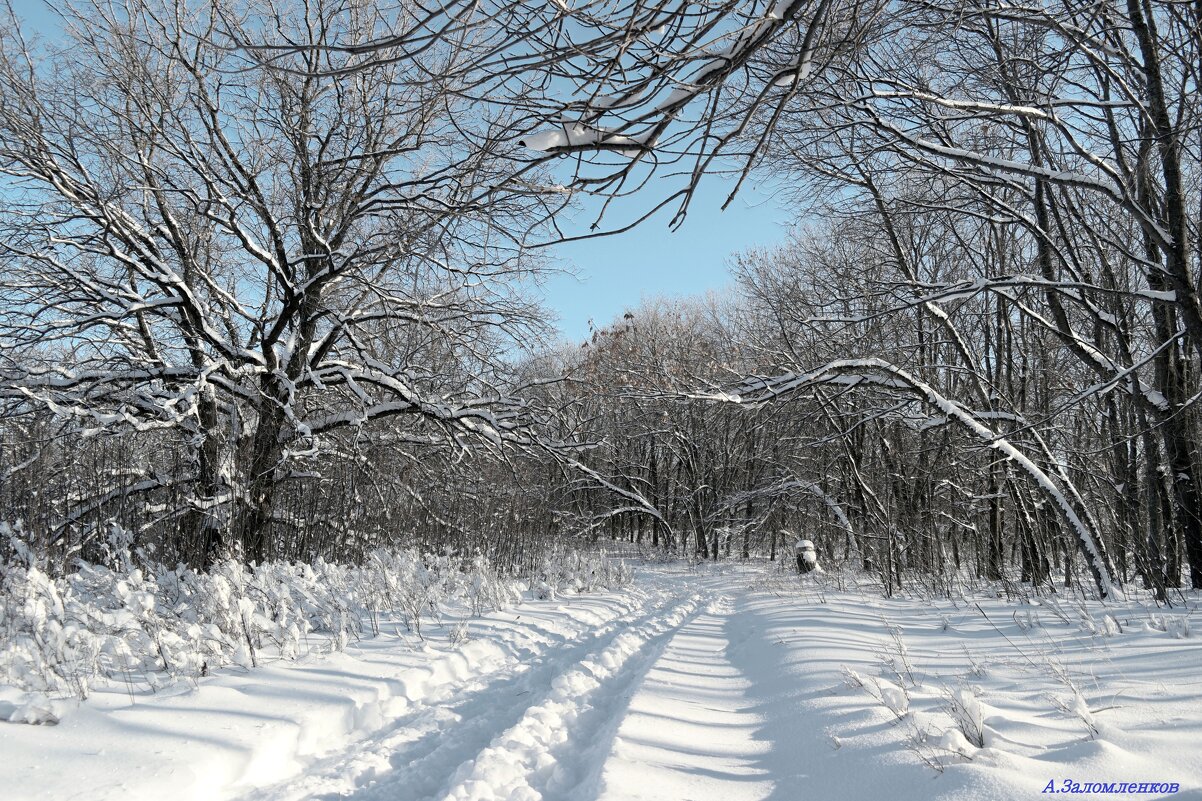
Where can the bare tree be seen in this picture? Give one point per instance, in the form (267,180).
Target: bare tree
(244,252)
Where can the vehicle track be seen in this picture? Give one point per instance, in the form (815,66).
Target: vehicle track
(539,756)
(418,755)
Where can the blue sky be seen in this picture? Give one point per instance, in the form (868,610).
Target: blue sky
(615,273)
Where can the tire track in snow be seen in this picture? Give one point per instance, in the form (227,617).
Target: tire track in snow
(537,758)
(452,721)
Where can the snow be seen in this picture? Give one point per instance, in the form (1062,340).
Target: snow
(689,731)
(1010,679)
(575,135)
(733,684)
(239,730)
(795,73)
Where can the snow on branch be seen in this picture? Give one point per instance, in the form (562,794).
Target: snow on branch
(879,373)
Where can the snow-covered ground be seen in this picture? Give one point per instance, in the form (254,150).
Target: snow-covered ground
(716,684)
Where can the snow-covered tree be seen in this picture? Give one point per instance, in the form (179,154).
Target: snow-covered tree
(260,257)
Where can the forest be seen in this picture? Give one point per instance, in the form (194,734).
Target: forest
(271,283)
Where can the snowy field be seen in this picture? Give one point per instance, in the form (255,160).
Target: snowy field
(724,684)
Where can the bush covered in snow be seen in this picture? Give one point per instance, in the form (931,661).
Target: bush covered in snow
(966,712)
(60,634)
(569,572)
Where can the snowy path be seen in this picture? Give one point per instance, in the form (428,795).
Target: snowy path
(652,708)
(689,732)
(693,686)
(497,736)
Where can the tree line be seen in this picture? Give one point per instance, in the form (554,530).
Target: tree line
(268,276)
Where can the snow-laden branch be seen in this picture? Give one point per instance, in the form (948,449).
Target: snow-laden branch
(636,498)
(879,373)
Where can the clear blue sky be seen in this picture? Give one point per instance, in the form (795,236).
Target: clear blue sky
(614,273)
